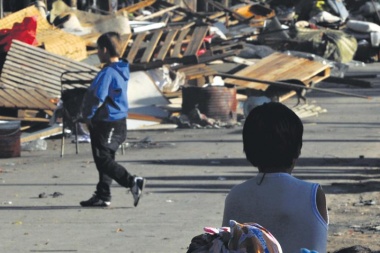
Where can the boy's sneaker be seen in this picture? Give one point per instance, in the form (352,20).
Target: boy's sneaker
(94,201)
(137,188)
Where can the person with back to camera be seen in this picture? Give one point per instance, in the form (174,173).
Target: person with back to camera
(293,210)
(105,109)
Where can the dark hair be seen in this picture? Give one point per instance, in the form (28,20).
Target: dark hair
(111,41)
(354,249)
(272,136)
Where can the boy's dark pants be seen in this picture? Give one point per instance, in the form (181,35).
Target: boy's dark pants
(106,138)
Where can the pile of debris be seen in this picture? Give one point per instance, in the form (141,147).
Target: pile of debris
(192,65)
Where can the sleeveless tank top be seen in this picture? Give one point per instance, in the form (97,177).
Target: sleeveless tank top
(284,205)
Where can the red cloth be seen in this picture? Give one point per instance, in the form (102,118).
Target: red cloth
(25,31)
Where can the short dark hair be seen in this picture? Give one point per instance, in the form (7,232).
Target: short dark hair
(272,136)
(111,41)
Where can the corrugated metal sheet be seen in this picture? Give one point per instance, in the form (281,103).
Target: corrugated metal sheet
(29,67)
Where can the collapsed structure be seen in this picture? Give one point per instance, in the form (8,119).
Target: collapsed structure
(185,64)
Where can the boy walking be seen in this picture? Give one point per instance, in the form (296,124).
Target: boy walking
(105,110)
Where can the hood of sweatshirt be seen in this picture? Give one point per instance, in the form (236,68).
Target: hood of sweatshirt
(122,67)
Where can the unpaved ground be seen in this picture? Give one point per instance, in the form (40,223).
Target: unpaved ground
(189,173)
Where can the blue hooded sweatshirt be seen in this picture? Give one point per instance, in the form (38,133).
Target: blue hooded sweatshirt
(106,99)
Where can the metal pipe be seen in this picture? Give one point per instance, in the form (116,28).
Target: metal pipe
(290,85)
(1,8)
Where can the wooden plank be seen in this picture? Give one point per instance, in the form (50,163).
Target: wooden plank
(36,71)
(5,100)
(24,119)
(44,133)
(31,99)
(21,102)
(137,6)
(178,45)
(43,98)
(27,83)
(30,78)
(29,67)
(319,77)
(90,39)
(189,68)
(138,116)
(197,71)
(46,65)
(167,44)
(151,47)
(196,40)
(136,46)
(125,40)
(32,61)
(17,85)
(188,25)
(27,113)
(228,10)
(55,59)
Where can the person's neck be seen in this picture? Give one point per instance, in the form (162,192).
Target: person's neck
(275,170)
(113,59)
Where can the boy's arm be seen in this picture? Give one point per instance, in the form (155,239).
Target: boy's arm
(95,95)
(321,204)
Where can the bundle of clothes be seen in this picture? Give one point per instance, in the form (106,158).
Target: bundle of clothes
(238,238)
(247,238)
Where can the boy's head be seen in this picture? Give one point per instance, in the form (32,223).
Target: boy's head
(272,137)
(109,45)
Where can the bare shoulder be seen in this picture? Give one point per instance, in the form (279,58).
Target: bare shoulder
(321,203)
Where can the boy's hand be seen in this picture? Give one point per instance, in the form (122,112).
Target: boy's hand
(88,123)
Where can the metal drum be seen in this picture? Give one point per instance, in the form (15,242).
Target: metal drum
(216,102)
(10,139)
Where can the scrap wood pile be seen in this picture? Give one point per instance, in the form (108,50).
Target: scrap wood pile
(185,59)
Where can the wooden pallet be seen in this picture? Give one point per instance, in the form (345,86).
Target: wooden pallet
(197,75)
(165,46)
(29,67)
(25,105)
(26,99)
(281,67)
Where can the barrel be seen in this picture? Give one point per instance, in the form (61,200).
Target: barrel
(216,102)
(10,139)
